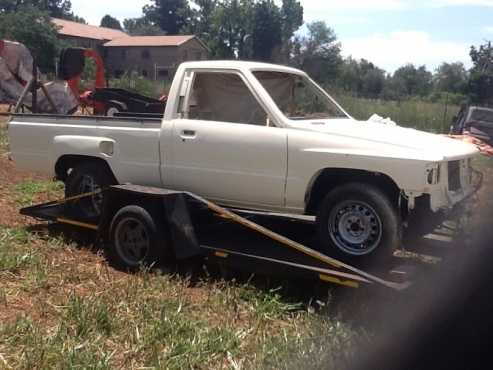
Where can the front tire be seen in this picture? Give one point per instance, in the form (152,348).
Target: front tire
(358,223)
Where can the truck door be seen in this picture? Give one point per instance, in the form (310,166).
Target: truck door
(225,147)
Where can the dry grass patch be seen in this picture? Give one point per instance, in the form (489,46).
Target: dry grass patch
(63,307)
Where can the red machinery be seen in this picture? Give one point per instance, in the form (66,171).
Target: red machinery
(100,82)
(104,100)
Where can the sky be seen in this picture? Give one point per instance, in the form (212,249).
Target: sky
(389,33)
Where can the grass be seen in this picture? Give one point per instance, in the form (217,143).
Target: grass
(13,260)
(3,136)
(432,117)
(64,308)
(26,192)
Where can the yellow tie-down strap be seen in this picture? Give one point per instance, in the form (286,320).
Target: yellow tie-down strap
(301,248)
(77,223)
(335,280)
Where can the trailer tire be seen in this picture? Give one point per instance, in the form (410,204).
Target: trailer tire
(137,239)
(87,177)
(357,223)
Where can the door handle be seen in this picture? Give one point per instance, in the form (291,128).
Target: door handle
(188,135)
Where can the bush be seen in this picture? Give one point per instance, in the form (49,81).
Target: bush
(447,98)
(414,112)
(134,82)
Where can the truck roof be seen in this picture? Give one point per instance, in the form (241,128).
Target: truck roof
(240,65)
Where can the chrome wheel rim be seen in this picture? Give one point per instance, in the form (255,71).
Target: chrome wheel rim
(355,227)
(91,206)
(132,241)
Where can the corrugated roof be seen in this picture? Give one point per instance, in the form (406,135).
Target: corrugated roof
(150,40)
(74,29)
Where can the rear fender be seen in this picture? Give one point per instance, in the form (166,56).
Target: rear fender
(85,146)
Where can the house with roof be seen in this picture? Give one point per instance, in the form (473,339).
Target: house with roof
(85,35)
(154,57)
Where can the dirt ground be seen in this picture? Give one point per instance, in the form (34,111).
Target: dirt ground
(9,177)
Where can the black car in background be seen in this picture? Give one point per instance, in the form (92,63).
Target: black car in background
(476,120)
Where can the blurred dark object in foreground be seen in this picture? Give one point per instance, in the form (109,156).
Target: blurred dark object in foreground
(445,321)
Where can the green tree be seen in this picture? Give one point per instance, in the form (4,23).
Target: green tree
(451,77)
(141,27)
(372,79)
(318,53)
(202,22)
(201,19)
(170,15)
(232,25)
(54,8)
(245,29)
(266,33)
(394,88)
(33,28)
(110,22)
(361,78)
(291,21)
(480,84)
(416,81)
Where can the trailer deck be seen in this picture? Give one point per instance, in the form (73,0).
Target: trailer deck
(201,229)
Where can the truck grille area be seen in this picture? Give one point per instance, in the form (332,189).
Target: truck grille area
(454,175)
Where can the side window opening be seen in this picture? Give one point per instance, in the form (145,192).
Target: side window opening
(224,97)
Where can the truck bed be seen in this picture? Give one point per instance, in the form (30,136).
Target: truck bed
(37,141)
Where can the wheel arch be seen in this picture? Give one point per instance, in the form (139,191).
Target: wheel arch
(67,162)
(328,179)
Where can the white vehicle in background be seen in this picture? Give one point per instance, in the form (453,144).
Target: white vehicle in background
(260,137)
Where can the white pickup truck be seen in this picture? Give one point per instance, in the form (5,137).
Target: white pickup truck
(260,137)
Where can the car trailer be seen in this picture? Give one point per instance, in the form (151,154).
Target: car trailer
(138,222)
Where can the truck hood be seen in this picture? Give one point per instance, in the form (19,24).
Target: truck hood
(392,138)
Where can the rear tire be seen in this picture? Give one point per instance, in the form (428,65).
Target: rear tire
(137,239)
(86,178)
(357,223)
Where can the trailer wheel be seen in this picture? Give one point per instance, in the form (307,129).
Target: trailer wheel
(136,239)
(86,178)
(358,223)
